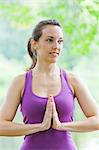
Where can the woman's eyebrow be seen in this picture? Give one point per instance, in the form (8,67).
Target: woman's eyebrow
(53,37)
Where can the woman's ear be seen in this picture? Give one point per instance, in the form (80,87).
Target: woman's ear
(33,44)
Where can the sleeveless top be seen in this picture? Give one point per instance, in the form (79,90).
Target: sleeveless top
(33,108)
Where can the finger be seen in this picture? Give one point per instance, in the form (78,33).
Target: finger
(54,108)
(50,98)
(49,105)
(53,102)
(55,114)
(48,113)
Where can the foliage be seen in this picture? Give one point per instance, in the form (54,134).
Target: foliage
(8,70)
(78,18)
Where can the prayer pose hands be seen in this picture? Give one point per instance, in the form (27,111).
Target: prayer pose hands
(51,115)
(56,124)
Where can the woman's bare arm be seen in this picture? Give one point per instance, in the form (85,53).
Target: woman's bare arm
(88,106)
(8,128)
(9,109)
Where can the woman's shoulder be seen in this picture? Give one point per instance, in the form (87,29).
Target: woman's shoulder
(70,74)
(20,79)
(73,78)
(21,76)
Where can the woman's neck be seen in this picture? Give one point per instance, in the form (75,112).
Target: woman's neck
(46,68)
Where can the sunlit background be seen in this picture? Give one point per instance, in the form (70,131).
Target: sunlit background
(80,21)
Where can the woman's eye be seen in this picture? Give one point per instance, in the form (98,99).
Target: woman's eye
(60,41)
(49,40)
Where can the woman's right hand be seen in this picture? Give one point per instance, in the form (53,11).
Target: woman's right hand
(46,124)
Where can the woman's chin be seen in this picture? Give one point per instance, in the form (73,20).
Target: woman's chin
(53,60)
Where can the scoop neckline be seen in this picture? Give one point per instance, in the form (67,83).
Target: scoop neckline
(46,97)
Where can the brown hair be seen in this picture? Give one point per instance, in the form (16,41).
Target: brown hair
(36,34)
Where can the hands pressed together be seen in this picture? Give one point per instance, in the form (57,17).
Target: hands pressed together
(51,115)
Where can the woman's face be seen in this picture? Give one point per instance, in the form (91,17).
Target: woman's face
(50,43)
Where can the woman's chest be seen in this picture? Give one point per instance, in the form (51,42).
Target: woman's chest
(34,106)
(45,86)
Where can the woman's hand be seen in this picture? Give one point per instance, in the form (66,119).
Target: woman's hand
(46,124)
(56,123)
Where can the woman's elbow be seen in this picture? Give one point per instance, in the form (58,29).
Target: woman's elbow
(1,128)
(97,122)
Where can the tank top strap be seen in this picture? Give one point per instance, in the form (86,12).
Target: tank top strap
(64,73)
(28,78)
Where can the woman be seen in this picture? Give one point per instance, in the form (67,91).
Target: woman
(46,95)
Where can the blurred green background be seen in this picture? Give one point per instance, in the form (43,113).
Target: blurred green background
(80,21)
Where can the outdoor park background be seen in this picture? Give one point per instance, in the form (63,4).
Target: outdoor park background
(80,21)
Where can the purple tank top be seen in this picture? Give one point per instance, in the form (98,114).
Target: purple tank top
(33,109)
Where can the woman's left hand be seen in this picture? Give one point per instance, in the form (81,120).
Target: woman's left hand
(56,124)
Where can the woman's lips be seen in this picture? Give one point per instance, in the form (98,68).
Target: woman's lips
(54,54)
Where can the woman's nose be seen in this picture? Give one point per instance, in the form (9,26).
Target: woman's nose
(56,45)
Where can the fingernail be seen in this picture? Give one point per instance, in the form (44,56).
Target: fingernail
(51,98)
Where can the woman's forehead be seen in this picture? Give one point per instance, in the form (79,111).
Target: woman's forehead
(53,31)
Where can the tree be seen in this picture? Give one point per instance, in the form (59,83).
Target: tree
(79,19)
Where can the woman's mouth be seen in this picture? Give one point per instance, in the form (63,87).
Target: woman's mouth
(54,54)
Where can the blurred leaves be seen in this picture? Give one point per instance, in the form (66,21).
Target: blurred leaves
(18,14)
(79,20)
